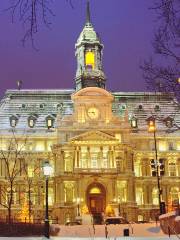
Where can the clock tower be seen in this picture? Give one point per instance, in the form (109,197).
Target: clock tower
(88,51)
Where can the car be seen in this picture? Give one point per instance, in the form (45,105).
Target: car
(115,220)
(72,223)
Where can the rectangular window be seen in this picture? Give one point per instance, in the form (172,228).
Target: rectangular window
(162,146)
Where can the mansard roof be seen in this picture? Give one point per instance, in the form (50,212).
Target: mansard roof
(43,103)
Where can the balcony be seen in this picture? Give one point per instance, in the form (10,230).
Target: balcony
(96,170)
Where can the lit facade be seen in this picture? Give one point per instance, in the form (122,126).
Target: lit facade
(97,141)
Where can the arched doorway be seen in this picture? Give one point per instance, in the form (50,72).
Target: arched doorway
(96,198)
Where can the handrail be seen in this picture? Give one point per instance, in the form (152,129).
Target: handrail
(170,228)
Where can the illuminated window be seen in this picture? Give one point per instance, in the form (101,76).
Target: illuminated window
(95,190)
(13,121)
(40,146)
(89,60)
(30,171)
(134,122)
(31,122)
(122,190)
(137,168)
(162,145)
(139,196)
(154,167)
(178,145)
(155,198)
(175,195)
(68,164)
(49,122)
(172,168)
(140,218)
(118,136)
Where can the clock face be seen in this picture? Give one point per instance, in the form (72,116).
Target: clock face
(93,113)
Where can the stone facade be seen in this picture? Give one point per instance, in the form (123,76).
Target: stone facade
(97,142)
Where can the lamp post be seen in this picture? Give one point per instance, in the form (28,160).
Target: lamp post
(152,128)
(118,200)
(78,201)
(47,170)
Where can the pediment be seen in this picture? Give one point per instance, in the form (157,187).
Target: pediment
(90,92)
(94,136)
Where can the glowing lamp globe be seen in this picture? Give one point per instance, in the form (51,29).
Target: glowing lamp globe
(47,169)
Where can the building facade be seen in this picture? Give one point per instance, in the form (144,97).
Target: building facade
(97,142)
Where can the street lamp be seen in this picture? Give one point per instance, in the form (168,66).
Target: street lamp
(152,128)
(47,170)
(118,200)
(78,201)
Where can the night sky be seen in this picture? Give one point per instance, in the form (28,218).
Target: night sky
(125,27)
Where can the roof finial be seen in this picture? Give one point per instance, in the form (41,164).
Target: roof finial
(88,16)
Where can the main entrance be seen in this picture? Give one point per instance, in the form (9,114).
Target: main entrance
(96,198)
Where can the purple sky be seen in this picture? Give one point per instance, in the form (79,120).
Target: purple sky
(126,30)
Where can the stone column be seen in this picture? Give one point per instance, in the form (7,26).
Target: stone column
(61,191)
(88,157)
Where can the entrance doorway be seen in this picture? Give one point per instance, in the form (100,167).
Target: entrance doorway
(96,198)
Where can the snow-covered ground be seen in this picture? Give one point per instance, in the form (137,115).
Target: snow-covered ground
(145,231)
(118,238)
(135,230)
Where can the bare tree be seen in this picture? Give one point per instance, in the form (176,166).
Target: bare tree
(30,178)
(164,75)
(32,13)
(12,161)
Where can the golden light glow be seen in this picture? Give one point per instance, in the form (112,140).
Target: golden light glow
(95,190)
(93,113)
(40,146)
(151,126)
(90,59)
(118,136)
(178,145)
(162,146)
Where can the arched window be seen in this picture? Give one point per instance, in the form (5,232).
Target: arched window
(155,198)
(134,122)
(31,121)
(175,195)
(49,122)
(90,60)
(13,121)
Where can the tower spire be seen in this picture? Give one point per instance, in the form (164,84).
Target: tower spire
(88,15)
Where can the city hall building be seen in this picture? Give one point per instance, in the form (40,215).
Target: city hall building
(104,158)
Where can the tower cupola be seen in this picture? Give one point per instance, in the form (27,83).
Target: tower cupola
(89,57)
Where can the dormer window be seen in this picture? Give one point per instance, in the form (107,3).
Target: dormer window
(134,122)
(123,107)
(13,121)
(31,122)
(41,106)
(168,122)
(140,107)
(157,108)
(49,122)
